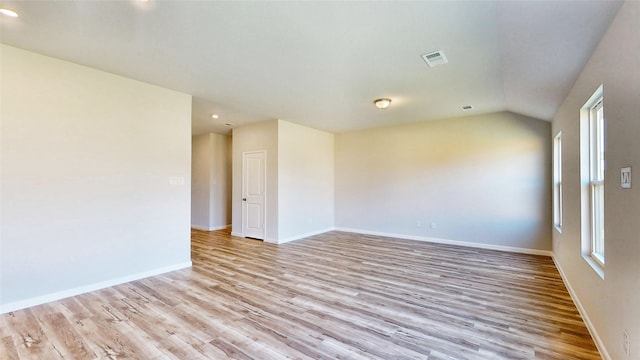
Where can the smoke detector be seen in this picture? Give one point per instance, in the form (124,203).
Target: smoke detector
(435,58)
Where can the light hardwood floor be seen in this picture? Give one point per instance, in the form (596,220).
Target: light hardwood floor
(331,296)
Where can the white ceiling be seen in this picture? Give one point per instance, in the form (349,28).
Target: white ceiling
(321,64)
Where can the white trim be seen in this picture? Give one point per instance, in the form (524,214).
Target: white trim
(595,264)
(592,329)
(236,234)
(212,228)
(22,304)
(558,229)
(451,242)
(297,237)
(270,240)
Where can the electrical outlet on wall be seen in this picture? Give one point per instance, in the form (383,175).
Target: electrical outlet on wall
(627,343)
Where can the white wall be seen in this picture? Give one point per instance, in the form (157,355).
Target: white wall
(300,178)
(305,181)
(253,137)
(221,183)
(483,180)
(610,305)
(86,164)
(211,182)
(201,182)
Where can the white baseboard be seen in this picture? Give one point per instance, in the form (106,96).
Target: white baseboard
(411,237)
(204,228)
(592,330)
(298,237)
(22,304)
(449,242)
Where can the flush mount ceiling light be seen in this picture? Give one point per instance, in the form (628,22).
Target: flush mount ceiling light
(382,103)
(9,13)
(215,116)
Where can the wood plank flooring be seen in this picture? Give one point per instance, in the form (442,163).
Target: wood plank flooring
(332,296)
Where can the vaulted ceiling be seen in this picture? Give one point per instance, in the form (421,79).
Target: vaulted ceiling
(320,63)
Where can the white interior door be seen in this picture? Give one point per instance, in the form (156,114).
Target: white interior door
(253,194)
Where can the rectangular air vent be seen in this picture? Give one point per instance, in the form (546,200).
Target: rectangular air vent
(435,58)
(466,107)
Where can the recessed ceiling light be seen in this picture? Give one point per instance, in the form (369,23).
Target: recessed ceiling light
(228,124)
(215,116)
(9,13)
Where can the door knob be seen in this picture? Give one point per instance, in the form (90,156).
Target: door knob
(244,199)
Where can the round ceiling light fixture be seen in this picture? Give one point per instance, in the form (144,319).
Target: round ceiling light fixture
(215,116)
(382,103)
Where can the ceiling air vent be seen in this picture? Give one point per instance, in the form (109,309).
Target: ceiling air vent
(466,107)
(435,58)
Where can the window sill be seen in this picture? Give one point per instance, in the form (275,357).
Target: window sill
(599,269)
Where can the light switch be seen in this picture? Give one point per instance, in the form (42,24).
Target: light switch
(625,177)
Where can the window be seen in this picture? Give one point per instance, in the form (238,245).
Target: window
(596,169)
(592,139)
(557,182)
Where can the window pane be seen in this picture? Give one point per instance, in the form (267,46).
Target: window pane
(600,143)
(557,181)
(598,220)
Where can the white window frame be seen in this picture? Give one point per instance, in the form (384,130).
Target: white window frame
(557,182)
(596,180)
(592,174)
